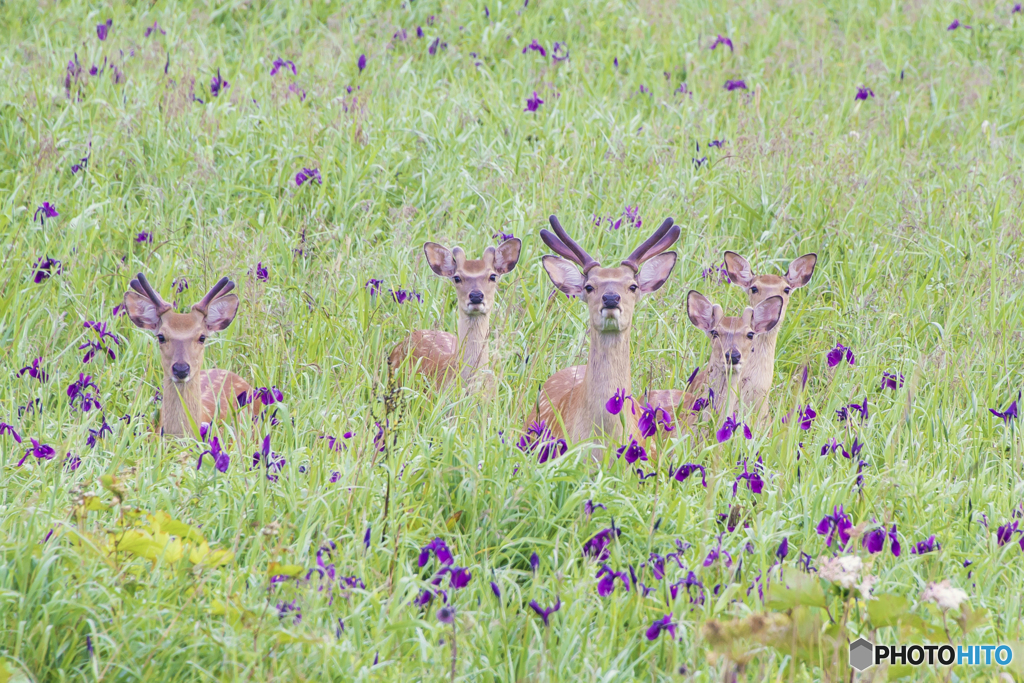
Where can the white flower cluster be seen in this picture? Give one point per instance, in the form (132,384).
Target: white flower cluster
(943,595)
(846,572)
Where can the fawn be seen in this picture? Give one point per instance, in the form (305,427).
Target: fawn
(733,343)
(188,390)
(572,401)
(757,379)
(441,356)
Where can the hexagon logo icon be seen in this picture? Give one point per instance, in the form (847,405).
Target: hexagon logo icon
(862,654)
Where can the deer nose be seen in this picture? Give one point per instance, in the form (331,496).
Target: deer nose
(476,297)
(733,358)
(611,300)
(180,370)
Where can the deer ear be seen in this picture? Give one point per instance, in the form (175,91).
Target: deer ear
(142,311)
(738,269)
(702,313)
(221,312)
(564,275)
(441,261)
(654,273)
(766,314)
(801,270)
(506,256)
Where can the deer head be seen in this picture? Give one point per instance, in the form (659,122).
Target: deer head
(476,280)
(732,338)
(761,287)
(610,293)
(181,335)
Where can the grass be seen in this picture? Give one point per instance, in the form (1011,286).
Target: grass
(911,198)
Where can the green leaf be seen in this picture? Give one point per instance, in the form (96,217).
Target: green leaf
(795,588)
(887,610)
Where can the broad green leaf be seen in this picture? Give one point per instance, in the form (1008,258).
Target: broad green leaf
(795,588)
(278,569)
(887,610)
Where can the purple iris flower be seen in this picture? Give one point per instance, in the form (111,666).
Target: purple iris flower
(597,547)
(221,460)
(890,379)
(926,546)
(262,274)
(99,346)
(502,236)
(400,34)
(538,438)
(403,295)
(863,92)
(82,163)
(874,541)
(559,52)
(716,553)
(588,507)
(440,550)
(640,473)
(458,577)
(861,408)
(728,427)
(218,85)
(663,624)
(544,613)
(783,549)
(72,462)
(283,64)
(34,371)
(1004,534)
(835,523)
(651,417)
(831,447)
(9,429)
(270,460)
(685,470)
(96,434)
(536,47)
(534,562)
(633,452)
(606,583)
(615,403)
(153,29)
(735,85)
(308,174)
(1016,8)
(533,103)
(40,451)
(1008,414)
(753,479)
(722,41)
(103,29)
(835,356)
(955,25)
(496,590)
(47,210)
(632,213)
(436,45)
(690,582)
(361,63)
(268,395)
(446,615)
(717,143)
(806,415)
(79,392)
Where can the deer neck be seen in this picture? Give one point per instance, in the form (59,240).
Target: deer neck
(474,331)
(608,370)
(759,372)
(178,403)
(725,385)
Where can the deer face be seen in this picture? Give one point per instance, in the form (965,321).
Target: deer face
(761,287)
(476,280)
(610,293)
(732,338)
(182,336)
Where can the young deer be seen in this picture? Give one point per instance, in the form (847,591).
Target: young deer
(442,355)
(188,390)
(733,343)
(757,377)
(572,401)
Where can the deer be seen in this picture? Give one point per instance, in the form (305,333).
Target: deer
(734,340)
(572,402)
(188,391)
(442,356)
(759,374)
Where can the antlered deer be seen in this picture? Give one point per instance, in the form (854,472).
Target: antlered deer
(188,390)
(572,402)
(442,355)
(757,377)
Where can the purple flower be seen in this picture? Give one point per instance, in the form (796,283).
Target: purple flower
(719,144)
(559,52)
(615,403)
(663,624)
(502,236)
(1004,534)
(103,29)
(536,47)
(874,541)
(262,274)
(538,438)
(806,415)
(283,64)
(78,392)
(722,41)
(34,371)
(361,63)
(100,345)
(728,427)
(267,395)
(651,417)
(926,546)
(783,549)
(955,25)
(545,613)
(753,479)
(403,295)
(889,380)
(835,356)
(72,462)
(446,615)
(597,547)
(436,45)
(95,435)
(40,451)
(144,237)
(495,590)
(271,461)
(633,452)
(9,429)
(221,460)
(533,103)
(632,213)
(684,472)
(588,507)
(440,550)
(691,581)
(716,553)
(835,523)
(1008,414)
(153,29)
(606,583)
(308,174)
(458,577)
(218,85)
(863,92)
(735,85)
(1016,8)
(47,210)
(82,163)
(534,562)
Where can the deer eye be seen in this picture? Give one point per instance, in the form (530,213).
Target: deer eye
(456,279)
(161,338)
(786,290)
(750,335)
(202,339)
(753,290)
(589,288)
(632,288)
(714,334)
(494,277)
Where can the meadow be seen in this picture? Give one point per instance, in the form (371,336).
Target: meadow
(305,149)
